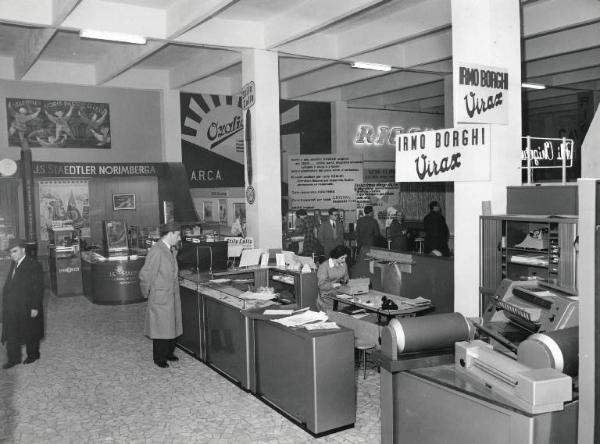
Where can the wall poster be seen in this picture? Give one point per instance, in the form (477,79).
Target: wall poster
(324,181)
(212,147)
(64,202)
(58,123)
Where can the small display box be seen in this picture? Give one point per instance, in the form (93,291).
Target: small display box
(64,261)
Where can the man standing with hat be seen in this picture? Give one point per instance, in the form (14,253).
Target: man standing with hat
(160,285)
(22,306)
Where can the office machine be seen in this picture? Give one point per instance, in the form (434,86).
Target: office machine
(534,391)
(520,308)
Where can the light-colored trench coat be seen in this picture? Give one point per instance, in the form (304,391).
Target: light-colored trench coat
(159,284)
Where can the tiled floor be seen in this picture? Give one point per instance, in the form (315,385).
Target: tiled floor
(96,383)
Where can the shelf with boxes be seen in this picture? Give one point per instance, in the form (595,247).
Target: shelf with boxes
(527,247)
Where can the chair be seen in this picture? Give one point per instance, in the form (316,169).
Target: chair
(363,347)
(419,244)
(366,335)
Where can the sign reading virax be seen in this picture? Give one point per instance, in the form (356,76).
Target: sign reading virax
(447,155)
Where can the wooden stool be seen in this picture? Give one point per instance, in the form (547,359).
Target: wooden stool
(420,244)
(363,347)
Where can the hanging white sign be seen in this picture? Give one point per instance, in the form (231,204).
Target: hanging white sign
(480,94)
(447,155)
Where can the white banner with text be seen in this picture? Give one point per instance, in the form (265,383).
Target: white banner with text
(448,155)
(481,94)
(323,181)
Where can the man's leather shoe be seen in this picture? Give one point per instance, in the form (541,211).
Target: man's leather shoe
(162,364)
(10,365)
(172,358)
(29,360)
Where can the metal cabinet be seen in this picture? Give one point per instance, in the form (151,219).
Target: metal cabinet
(506,254)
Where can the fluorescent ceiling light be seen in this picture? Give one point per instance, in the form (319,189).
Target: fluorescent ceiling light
(112,36)
(375,66)
(533,85)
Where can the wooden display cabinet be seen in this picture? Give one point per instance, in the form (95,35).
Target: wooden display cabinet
(506,252)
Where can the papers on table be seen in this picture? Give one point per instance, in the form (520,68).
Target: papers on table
(260,296)
(416,302)
(302,318)
(278,312)
(321,326)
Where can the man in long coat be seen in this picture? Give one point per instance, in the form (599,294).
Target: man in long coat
(22,303)
(160,285)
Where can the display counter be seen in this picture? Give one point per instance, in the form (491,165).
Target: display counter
(308,376)
(112,281)
(215,329)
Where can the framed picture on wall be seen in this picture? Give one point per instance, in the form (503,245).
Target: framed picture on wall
(207,211)
(123,202)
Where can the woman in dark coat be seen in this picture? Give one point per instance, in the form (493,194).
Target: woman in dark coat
(436,230)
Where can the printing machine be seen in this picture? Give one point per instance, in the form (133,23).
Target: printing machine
(518,388)
(521,308)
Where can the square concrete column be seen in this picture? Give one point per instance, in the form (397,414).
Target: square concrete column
(485,33)
(262,149)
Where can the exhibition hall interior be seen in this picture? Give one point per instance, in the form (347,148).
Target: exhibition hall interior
(299,221)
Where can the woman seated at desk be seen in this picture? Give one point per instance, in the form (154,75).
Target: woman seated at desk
(331,274)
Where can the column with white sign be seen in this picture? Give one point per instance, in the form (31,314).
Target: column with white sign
(260,103)
(487,90)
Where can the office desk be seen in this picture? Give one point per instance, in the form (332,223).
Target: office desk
(371,303)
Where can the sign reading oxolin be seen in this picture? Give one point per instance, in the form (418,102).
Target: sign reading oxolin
(448,155)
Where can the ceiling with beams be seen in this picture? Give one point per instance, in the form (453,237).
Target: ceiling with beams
(196,45)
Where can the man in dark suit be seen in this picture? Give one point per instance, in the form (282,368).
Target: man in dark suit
(331,233)
(367,229)
(22,314)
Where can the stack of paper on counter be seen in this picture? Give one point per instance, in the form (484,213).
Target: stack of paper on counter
(302,318)
(418,301)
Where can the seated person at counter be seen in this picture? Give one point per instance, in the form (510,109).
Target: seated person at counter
(331,274)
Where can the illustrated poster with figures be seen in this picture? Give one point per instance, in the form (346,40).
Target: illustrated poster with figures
(64,202)
(58,123)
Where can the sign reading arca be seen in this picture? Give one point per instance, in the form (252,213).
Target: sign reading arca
(447,155)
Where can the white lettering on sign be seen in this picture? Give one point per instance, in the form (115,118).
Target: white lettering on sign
(455,154)
(547,152)
(384,135)
(205,175)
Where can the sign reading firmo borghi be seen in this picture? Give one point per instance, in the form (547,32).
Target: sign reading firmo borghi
(454,154)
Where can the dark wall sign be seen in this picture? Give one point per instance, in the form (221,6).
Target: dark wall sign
(212,145)
(82,169)
(58,123)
